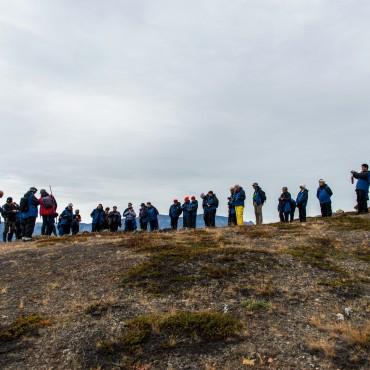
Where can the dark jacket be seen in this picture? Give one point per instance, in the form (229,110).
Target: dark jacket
(152,213)
(186,208)
(175,210)
(193,206)
(324,194)
(66,217)
(8,212)
(114,218)
(143,214)
(210,203)
(98,216)
(285,203)
(363,180)
(302,198)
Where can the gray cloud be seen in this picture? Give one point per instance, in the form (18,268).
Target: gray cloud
(118,100)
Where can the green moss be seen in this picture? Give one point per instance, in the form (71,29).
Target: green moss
(318,253)
(349,223)
(181,327)
(254,305)
(23,325)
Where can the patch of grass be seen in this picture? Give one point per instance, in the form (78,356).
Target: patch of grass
(167,331)
(22,326)
(324,346)
(318,252)
(253,305)
(349,223)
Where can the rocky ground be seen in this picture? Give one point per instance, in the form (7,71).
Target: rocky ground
(268,297)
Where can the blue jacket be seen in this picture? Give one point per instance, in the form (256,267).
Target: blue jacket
(186,208)
(324,194)
(231,207)
(257,199)
(210,203)
(363,180)
(285,203)
(238,198)
(302,198)
(193,206)
(98,216)
(33,203)
(129,214)
(175,210)
(152,213)
(66,217)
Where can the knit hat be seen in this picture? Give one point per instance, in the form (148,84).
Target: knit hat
(186,199)
(193,197)
(33,189)
(70,205)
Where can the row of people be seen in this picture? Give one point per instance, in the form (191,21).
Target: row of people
(20,219)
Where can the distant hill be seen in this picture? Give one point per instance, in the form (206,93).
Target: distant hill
(164,223)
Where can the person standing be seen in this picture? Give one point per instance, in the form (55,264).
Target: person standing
(186,213)
(285,205)
(65,220)
(76,222)
(301,201)
(232,215)
(193,212)
(106,218)
(175,213)
(143,217)
(152,217)
(48,209)
(29,211)
(9,212)
(114,220)
(362,188)
(130,218)
(98,218)
(259,198)
(238,202)
(324,194)
(210,205)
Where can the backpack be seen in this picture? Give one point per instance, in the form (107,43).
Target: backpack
(24,205)
(48,202)
(263,196)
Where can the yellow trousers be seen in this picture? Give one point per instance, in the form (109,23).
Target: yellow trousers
(239,210)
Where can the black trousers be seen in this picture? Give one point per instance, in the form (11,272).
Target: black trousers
(186,221)
(9,230)
(113,228)
(28,226)
(153,225)
(362,198)
(174,222)
(95,228)
(284,216)
(326,210)
(48,224)
(193,220)
(292,213)
(302,213)
(75,228)
(144,225)
(210,218)
(232,219)
(64,229)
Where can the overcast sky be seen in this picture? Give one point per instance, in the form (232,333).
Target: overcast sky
(116,101)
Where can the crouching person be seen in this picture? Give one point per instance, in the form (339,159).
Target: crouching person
(65,220)
(76,222)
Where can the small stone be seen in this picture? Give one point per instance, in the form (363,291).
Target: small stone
(340,317)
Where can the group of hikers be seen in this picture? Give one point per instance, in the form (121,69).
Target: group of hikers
(20,219)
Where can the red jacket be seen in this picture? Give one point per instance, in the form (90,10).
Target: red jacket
(48,211)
